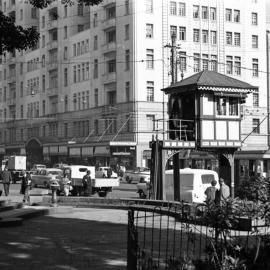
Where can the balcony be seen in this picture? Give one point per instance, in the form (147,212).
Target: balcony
(52,92)
(52,24)
(108,47)
(11,79)
(52,65)
(109,77)
(52,44)
(109,23)
(11,101)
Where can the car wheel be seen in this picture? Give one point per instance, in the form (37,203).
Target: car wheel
(142,195)
(102,193)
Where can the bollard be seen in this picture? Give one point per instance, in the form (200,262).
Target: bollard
(54,187)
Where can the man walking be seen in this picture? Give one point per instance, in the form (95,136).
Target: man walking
(87,184)
(210,192)
(223,193)
(7,179)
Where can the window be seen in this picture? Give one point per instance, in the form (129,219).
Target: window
(127,7)
(196,10)
(95,42)
(21,89)
(66,103)
(182,33)
(182,9)
(96,97)
(204,12)
(213,63)
(111,36)
(74,74)
(196,35)
(229,64)
(196,62)
(95,20)
(205,36)
(228,14)
(80,27)
(221,105)
(183,61)
(233,106)
(65,11)
(74,49)
(173,8)
(127,32)
(110,12)
(150,91)
(213,13)
(112,98)
(43,83)
(127,60)
(21,16)
(256,125)
(237,65)
(205,61)
(149,6)
(237,39)
(173,30)
(95,68)
(34,13)
(150,121)
(149,58)
(43,41)
(80,9)
(255,42)
(236,16)
(96,127)
(255,99)
(111,66)
(213,37)
(229,38)
(254,18)
(127,87)
(149,30)
(65,32)
(65,77)
(255,67)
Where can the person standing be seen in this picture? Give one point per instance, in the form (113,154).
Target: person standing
(26,186)
(210,192)
(66,184)
(223,193)
(109,172)
(7,179)
(87,184)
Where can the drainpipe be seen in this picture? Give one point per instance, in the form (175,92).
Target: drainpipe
(267,87)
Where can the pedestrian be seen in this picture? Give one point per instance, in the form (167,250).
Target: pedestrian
(7,179)
(210,192)
(87,184)
(26,186)
(223,193)
(109,172)
(66,184)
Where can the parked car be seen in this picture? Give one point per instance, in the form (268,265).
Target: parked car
(60,165)
(193,183)
(101,172)
(38,167)
(137,175)
(45,177)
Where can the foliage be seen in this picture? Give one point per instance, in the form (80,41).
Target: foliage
(16,37)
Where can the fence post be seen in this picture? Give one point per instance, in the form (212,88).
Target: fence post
(132,243)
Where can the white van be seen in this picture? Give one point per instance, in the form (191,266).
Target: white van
(193,183)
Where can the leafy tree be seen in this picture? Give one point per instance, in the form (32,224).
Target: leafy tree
(16,37)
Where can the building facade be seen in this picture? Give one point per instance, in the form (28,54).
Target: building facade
(91,91)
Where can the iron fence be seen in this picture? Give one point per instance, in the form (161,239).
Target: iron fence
(177,237)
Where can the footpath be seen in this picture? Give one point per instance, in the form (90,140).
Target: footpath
(65,238)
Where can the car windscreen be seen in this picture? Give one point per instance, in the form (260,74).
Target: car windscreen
(186,180)
(83,169)
(207,178)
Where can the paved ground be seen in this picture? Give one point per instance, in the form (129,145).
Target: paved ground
(83,238)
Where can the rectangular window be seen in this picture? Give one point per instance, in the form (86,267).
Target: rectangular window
(229,64)
(127,32)
(205,61)
(255,99)
(255,42)
(110,13)
(65,32)
(95,20)
(150,91)
(65,77)
(33,13)
(96,97)
(205,36)
(221,106)
(65,53)
(213,37)
(255,67)
(254,18)
(213,13)
(127,91)
(149,58)
(233,106)
(127,60)
(213,63)
(95,42)
(237,65)
(95,68)
(183,61)
(149,30)
(182,9)
(256,125)
(196,10)
(229,38)
(127,7)
(74,74)
(236,17)
(111,66)
(150,122)
(237,39)
(204,12)
(173,8)
(196,62)
(196,35)
(80,9)
(173,30)
(228,14)
(182,33)
(149,6)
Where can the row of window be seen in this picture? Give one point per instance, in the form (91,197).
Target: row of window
(80,48)
(80,73)
(33,64)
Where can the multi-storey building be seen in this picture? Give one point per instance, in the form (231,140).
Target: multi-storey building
(91,91)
